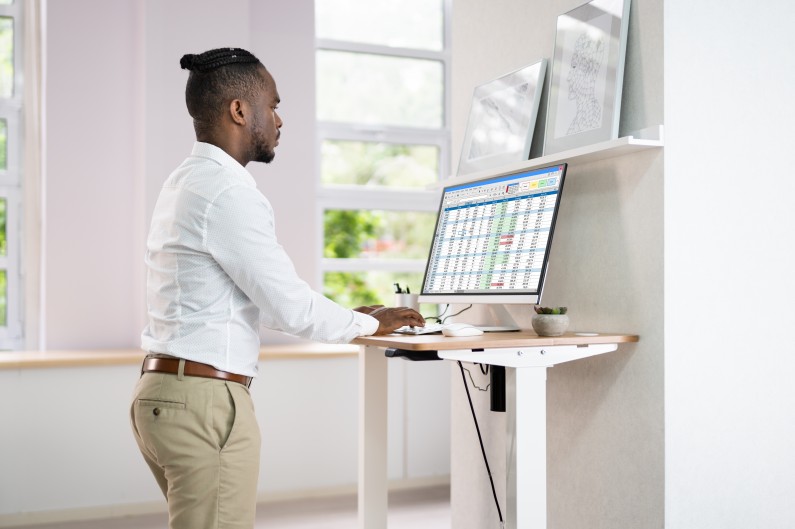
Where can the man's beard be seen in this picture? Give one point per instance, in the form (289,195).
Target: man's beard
(261,152)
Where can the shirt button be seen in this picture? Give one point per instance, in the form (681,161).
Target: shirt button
(156,411)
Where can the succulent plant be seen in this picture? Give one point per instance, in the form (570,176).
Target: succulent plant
(550,310)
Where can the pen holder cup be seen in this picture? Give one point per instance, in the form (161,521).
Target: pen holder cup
(407,300)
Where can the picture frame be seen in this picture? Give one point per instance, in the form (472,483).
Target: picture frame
(587,75)
(502,119)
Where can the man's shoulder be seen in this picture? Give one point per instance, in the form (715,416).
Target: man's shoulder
(207,180)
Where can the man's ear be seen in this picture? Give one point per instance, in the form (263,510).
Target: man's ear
(238,112)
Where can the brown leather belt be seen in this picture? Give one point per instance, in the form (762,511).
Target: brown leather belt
(192,369)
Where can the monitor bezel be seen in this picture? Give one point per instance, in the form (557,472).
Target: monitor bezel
(513,298)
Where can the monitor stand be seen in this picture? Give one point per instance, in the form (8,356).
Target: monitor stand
(487,317)
(500,320)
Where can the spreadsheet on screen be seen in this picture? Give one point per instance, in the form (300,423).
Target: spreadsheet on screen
(493,236)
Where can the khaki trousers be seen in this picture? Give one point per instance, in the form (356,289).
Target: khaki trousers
(200,438)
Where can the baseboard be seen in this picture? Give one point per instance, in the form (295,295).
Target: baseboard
(83,514)
(347,490)
(137,509)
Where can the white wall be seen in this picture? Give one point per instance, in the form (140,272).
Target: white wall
(67,451)
(726,285)
(605,415)
(729,73)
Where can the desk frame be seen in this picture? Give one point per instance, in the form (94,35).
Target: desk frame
(527,358)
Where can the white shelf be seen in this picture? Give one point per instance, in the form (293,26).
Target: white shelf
(651,138)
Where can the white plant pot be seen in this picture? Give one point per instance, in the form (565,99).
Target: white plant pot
(550,324)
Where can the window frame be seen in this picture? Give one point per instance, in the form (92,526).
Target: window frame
(10,176)
(11,335)
(352,197)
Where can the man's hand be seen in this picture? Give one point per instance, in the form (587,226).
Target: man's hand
(390,318)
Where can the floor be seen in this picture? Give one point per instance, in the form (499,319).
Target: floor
(426,508)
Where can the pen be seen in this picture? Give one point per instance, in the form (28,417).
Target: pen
(397,289)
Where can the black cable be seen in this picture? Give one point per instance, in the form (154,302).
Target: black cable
(457,313)
(480,438)
(439,317)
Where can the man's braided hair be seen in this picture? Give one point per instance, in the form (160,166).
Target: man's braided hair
(217,77)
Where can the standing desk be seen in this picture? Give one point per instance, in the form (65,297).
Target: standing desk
(526,358)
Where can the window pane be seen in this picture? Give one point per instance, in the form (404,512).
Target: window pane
(3,224)
(403,24)
(378,164)
(3,299)
(354,289)
(377,234)
(380,90)
(6,56)
(3,145)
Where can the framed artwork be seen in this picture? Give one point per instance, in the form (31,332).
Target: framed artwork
(587,75)
(502,119)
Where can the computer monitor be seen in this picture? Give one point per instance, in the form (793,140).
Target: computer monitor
(492,238)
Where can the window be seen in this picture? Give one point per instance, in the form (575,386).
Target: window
(10,178)
(382,104)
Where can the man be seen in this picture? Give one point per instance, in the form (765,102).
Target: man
(215,273)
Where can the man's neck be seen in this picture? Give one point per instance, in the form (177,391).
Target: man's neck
(229,146)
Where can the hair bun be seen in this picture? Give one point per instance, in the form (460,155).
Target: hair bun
(217,58)
(188,61)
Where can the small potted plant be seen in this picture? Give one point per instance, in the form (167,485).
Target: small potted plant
(550,321)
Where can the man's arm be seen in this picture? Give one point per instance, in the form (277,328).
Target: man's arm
(241,238)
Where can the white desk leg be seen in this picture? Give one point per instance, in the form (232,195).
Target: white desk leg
(372,438)
(526,405)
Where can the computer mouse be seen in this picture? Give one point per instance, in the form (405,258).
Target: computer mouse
(461,329)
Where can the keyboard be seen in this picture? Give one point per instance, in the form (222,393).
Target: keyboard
(428,329)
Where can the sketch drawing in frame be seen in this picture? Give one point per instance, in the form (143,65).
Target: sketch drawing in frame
(587,75)
(502,118)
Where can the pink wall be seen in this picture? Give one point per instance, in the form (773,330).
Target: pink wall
(117,126)
(91,107)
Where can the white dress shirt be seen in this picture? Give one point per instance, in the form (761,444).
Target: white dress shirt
(216,271)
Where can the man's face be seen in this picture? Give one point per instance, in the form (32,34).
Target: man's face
(266,122)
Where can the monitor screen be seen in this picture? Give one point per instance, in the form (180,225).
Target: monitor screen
(492,238)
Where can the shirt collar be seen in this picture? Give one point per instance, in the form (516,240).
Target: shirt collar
(220,156)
